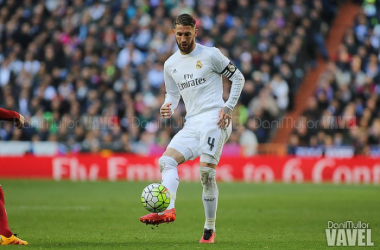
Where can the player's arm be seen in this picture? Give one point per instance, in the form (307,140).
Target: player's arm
(9,115)
(172,96)
(237,79)
(224,66)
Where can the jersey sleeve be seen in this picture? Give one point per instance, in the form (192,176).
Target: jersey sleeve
(172,92)
(223,66)
(218,61)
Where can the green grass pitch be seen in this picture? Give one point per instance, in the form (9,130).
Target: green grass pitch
(105,215)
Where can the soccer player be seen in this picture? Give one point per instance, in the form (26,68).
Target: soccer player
(6,235)
(195,73)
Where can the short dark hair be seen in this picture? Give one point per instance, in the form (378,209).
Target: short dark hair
(185,20)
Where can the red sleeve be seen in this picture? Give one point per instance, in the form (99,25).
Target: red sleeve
(8,115)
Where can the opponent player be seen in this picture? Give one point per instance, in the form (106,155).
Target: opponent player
(6,235)
(195,73)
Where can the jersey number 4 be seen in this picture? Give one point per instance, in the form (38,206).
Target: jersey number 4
(210,142)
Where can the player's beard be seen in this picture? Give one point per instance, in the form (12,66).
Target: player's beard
(188,48)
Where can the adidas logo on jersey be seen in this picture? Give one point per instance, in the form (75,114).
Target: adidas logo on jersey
(174,71)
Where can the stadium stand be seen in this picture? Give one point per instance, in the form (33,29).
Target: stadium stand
(342,117)
(89,73)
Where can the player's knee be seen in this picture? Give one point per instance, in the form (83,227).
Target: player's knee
(208,179)
(166,162)
(210,160)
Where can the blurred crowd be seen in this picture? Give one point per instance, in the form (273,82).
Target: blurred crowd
(89,73)
(345,110)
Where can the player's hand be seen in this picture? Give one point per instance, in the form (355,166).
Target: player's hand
(19,123)
(224,117)
(166,111)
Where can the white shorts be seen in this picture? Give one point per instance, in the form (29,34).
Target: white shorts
(201,135)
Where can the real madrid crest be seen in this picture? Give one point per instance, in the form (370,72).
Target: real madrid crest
(199,65)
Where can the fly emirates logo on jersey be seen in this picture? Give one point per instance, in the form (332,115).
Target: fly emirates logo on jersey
(190,81)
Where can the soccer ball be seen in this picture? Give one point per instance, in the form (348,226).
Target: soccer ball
(155,198)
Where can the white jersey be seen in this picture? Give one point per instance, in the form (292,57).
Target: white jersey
(197,77)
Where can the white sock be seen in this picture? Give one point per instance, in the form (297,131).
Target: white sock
(169,174)
(209,196)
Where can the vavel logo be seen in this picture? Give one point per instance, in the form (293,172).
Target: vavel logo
(349,234)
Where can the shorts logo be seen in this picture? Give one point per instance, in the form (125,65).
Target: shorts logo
(199,65)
